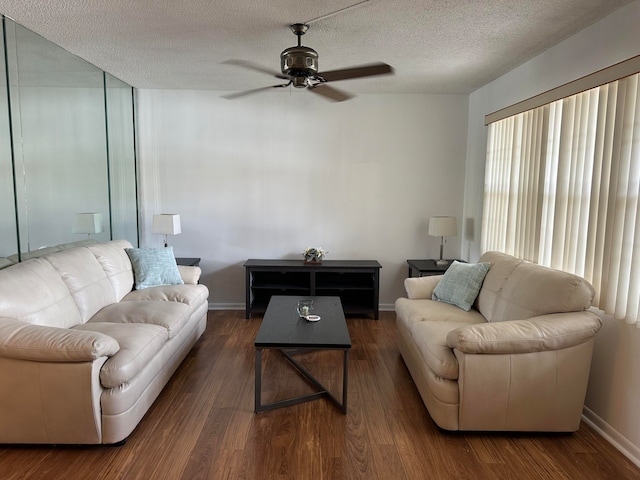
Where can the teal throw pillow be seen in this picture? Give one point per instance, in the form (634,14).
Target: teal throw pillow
(461,284)
(154,266)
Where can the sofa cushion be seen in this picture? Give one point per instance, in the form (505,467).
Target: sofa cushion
(139,344)
(502,266)
(116,265)
(416,311)
(516,289)
(52,305)
(430,339)
(85,279)
(170,315)
(189,294)
(154,266)
(461,283)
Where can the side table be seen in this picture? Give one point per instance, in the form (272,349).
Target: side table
(428,267)
(188,262)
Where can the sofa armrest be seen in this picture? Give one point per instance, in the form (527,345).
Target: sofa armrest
(421,287)
(190,275)
(24,341)
(554,331)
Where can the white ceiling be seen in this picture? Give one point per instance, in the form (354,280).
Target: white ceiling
(435,46)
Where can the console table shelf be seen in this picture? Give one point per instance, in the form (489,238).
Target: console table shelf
(356,282)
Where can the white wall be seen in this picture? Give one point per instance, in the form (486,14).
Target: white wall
(268,175)
(614,387)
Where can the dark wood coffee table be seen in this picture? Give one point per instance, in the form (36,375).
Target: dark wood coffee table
(283,330)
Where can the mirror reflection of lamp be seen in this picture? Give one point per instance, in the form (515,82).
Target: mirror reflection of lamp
(443,227)
(88,223)
(166,224)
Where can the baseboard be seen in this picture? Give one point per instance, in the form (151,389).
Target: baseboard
(226,306)
(610,434)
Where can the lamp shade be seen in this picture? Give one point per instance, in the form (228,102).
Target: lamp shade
(443,226)
(166,224)
(87,223)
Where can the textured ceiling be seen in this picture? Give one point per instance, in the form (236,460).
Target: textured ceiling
(435,46)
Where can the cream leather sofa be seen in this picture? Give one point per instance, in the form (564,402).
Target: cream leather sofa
(519,360)
(82,355)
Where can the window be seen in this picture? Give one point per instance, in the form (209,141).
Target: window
(561,189)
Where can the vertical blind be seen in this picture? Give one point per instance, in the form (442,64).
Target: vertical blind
(562,185)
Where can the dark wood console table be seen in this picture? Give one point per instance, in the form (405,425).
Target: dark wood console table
(356,282)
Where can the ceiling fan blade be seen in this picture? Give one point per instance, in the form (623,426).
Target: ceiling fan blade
(356,72)
(255,67)
(231,96)
(330,92)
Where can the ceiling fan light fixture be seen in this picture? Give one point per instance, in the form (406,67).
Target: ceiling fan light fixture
(299,61)
(300,82)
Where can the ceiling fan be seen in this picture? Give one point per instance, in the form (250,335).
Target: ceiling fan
(299,66)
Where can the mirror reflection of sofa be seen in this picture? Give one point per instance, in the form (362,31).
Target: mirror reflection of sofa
(518,360)
(83,355)
(41,252)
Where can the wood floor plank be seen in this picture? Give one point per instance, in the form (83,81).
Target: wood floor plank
(202,425)
(387,462)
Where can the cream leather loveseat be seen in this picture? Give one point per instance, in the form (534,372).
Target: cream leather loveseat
(519,360)
(82,355)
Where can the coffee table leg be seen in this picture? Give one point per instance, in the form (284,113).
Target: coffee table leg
(258,386)
(345,381)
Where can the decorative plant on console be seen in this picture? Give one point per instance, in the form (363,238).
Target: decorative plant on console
(314,254)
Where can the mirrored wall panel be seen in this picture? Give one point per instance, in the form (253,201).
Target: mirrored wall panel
(70,149)
(8,227)
(122,159)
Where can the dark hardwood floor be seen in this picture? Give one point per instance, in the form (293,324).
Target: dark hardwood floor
(203,427)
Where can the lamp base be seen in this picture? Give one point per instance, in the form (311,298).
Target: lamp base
(442,262)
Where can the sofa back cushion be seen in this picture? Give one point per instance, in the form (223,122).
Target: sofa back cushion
(85,279)
(515,289)
(116,265)
(34,292)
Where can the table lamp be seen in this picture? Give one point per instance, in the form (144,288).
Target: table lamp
(87,223)
(166,224)
(442,227)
